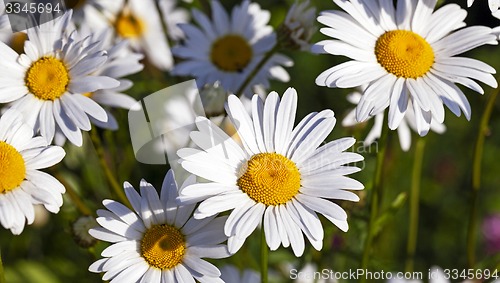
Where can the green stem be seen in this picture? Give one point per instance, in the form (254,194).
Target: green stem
(264,257)
(75,198)
(375,196)
(414,204)
(254,72)
(2,273)
(96,140)
(476,178)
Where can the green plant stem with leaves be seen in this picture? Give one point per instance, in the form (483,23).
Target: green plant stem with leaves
(375,196)
(264,257)
(476,178)
(414,204)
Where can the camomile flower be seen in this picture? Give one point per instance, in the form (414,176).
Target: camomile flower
(172,17)
(22,185)
(494,6)
(229,48)
(46,83)
(404,130)
(405,54)
(158,241)
(140,23)
(95,13)
(121,62)
(13,39)
(279,176)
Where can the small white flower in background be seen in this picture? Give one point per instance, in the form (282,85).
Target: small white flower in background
(231,274)
(404,129)
(46,83)
(172,17)
(15,40)
(22,185)
(121,62)
(405,54)
(298,28)
(139,21)
(279,176)
(159,241)
(94,13)
(494,6)
(229,48)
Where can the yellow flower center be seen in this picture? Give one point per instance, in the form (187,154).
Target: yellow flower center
(128,25)
(163,246)
(17,41)
(270,178)
(74,4)
(404,53)
(12,168)
(231,53)
(47,78)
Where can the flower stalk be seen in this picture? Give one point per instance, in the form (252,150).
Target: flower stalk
(414,204)
(264,257)
(254,72)
(376,196)
(2,273)
(476,178)
(117,189)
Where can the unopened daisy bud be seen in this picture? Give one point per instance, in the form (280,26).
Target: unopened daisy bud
(298,28)
(80,230)
(213,97)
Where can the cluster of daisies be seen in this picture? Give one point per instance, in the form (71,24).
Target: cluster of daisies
(62,77)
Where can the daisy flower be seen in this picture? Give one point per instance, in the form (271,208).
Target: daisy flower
(121,62)
(279,176)
(158,241)
(140,23)
(494,7)
(404,129)
(172,17)
(22,185)
(230,48)
(48,81)
(16,39)
(405,54)
(93,12)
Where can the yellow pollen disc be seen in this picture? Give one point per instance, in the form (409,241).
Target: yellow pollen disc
(17,41)
(163,246)
(404,53)
(231,53)
(270,178)
(47,78)
(74,4)
(128,25)
(12,168)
